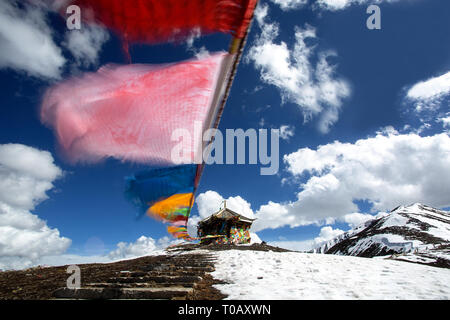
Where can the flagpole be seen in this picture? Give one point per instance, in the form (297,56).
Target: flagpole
(236,49)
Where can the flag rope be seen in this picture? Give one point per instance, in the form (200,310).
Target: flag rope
(236,48)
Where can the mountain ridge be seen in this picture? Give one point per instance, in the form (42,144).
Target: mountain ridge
(415,233)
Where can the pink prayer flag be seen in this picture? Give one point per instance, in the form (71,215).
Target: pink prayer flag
(130,112)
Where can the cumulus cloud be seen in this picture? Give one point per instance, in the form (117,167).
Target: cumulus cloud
(385,170)
(314,88)
(26,175)
(26,41)
(332,5)
(428,95)
(199,53)
(355,219)
(425,105)
(290,4)
(209,202)
(286,132)
(335,5)
(141,247)
(327,233)
(430,88)
(304,245)
(445,121)
(85,44)
(192,225)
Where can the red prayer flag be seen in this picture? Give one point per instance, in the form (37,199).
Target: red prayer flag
(157,21)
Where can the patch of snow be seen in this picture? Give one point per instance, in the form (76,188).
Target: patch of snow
(394,220)
(390,241)
(291,275)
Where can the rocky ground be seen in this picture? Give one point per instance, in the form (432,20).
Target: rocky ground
(179,274)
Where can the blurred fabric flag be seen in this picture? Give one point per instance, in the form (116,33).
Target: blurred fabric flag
(130,112)
(158,21)
(166,194)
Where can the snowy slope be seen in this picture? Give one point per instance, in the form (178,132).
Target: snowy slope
(419,232)
(294,275)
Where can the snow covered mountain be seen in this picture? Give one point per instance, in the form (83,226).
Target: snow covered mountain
(416,233)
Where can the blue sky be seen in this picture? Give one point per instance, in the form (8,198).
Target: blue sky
(381,78)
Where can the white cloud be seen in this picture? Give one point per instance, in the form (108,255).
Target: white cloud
(141,247)
(210,202)
(199,53)
(26,42)
(286,132)
(428,94)
(261,13)
(431,88)
(195,34)
(314,88)
(290,4)
(327,233)
(27,45)
(386,170)
(85,44)
(26,174)
(334,5)
(426,105)
(304,245)
(192,225)
(445,121)
(69,259)
(355,219)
